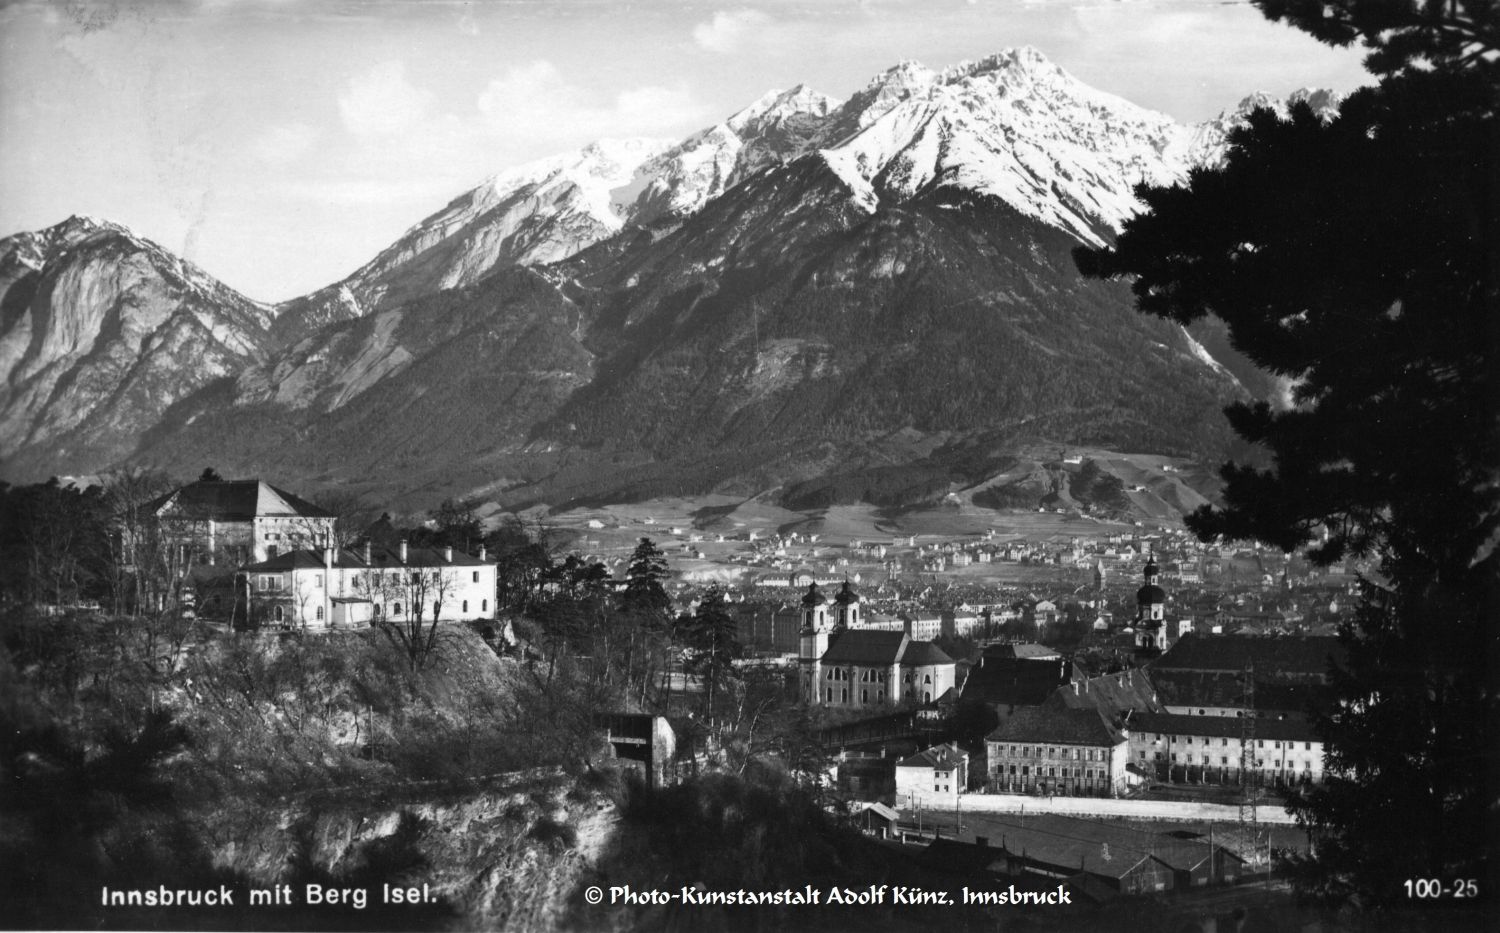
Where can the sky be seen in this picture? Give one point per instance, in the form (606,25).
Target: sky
(280,144)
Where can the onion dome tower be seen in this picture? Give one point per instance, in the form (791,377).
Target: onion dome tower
(816,626)
(846,602)
(1151,611)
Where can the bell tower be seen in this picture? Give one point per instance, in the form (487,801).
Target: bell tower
(846,613)
(816,627)
(1151,634)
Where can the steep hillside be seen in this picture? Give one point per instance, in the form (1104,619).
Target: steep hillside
(100,331)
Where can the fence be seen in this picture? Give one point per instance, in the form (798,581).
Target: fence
(1104,806)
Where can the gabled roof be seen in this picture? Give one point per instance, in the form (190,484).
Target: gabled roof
(878,647)
(947,757)
(1070,851)
(1274,654)
(924,653)
(1043,724)
(865,646)
(1013,681)
(238,500)
(1176,687)
(1113,693)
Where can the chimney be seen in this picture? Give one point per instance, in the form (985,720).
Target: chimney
(403,550)
(481,551)
(368,558)
(448,554)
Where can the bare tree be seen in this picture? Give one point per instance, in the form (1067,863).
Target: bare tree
(410,593)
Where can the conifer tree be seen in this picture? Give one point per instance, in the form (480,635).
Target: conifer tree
(1356,259)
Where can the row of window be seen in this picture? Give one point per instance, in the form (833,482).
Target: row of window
(868,675)
(1036,751)
(1025,771)
(1224,760)
(1259,743)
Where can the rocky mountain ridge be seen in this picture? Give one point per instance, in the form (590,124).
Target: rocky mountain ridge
(727,304)
(101,330)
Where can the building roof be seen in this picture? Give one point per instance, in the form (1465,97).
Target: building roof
(1268,728)
(1274,654)
(924,653)
(1019,650)
(947,757)
(1150,594)
(1070,850)
(354,559)
(813,596)
(1013,681)
(1113,693)
(880,647)
(1178,853)
(1059,725)
(879,809)
(1226,689)
(865,646)
(237,500)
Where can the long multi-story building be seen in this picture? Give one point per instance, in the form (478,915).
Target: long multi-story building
(330,588)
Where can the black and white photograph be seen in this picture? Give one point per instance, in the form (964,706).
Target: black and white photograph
(863,465)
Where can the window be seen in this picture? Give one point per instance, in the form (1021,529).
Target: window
(416,576)
(317,581)
(476,576)
(926,678)
(279,615)
(1143,753)
(1200,712)
(829,691)
(484,605)
(1307,746)
(864,696)
(271,551)
(466,605)
(1260,743)
(844,695)
(1223,741)
(320,614)
(395,609)
(437,608)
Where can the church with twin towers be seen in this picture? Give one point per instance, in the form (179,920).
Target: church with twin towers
(845,666)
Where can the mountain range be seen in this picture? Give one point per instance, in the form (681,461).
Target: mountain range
(811,288)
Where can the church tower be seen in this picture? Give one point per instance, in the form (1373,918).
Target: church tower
(817,625)
(846,611)
(1151,633)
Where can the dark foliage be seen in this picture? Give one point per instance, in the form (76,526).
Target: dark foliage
(1359,257)
(1401,34)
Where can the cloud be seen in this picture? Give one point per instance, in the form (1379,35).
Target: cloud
(535,102)
(381,102)
(726,32)
(284,144)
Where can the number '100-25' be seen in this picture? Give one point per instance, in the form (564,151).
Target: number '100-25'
(1432,888)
